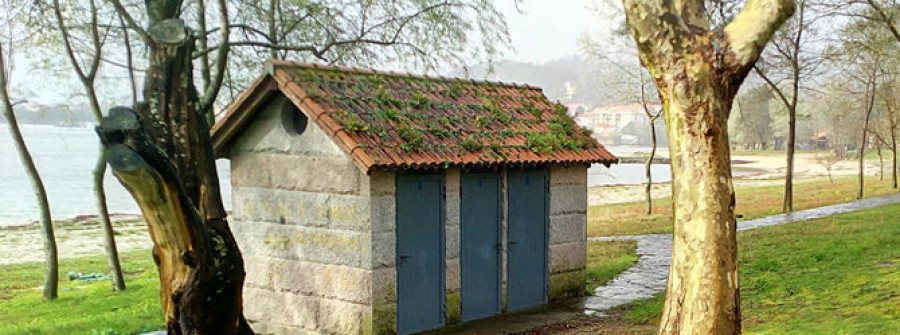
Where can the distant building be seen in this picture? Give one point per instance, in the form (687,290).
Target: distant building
(619,124)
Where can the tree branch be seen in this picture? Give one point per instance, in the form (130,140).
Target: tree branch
(130,20)
(748,33)
(211,91)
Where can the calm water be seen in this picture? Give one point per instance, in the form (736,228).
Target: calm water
(65,158)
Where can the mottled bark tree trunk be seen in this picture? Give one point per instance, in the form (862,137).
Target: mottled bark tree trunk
(698,72)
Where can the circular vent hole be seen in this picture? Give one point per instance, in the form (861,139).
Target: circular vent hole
(293,120)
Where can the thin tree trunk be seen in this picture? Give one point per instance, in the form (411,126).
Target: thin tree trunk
(130,61)
(109,236)
(789,173)
(870,105)
(880,161)
(894,156)
(51,261)
(648,166)
(87,81)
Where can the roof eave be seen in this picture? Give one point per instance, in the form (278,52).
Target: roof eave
(239,112)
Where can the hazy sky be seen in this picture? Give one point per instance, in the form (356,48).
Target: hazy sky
(547,29)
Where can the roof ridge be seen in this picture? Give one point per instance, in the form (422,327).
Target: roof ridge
(284,63)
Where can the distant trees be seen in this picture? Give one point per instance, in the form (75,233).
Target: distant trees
(751,119)
(790,59)
(869,62)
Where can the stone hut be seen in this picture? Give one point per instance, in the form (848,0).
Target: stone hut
(377,203)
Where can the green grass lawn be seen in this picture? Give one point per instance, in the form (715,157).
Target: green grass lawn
(82,308)
(606,260)
(836,275)
(752,202)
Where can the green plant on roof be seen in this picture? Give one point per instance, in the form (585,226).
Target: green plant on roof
(387,114)
(483,121)
(496,147)
(502,116)
(438,131)
(380,132)
(561,109)
(420,101)
(533,110)
(490,103)
(542,142)
(587,131)
(562,125)
(350,121)
(471,143)
(311,92)
(412,136)
(454,90)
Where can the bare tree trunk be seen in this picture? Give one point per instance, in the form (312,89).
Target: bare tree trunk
(51,261)
(894,156)
(87,81)
(109,236)
(698,71)
(789,173)
(880,161)
(870,105)
(648,166)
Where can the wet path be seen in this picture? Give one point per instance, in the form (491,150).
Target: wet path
(648,277)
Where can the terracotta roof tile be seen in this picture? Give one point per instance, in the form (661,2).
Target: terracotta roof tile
(400,121)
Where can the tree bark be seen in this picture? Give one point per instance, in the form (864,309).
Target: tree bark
(698,72)
(51,261)
(200,269)
(163,156)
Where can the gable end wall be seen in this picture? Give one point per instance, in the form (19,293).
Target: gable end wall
(302,220)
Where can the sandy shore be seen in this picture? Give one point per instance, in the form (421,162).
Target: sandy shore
(74,238)
(757,171)
(83,236)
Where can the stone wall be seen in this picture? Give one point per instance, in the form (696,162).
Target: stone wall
(568,229)
(452,248)
(302,218)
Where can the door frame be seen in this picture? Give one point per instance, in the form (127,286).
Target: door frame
(499,242)
(442,253)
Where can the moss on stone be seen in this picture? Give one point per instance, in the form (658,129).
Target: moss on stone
(567,284)
(453,312)
(384,319)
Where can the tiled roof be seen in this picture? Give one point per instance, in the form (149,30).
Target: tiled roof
(399,121)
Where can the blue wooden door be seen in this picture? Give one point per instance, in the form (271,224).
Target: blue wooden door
(480,245)
(527,239)
(420,253)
